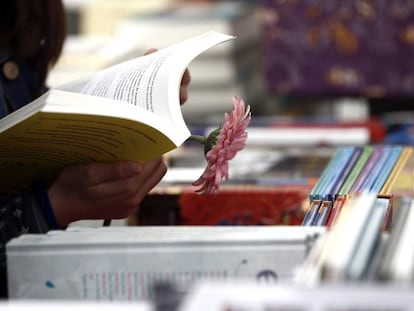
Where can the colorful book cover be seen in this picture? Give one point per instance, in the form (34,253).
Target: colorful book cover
(386,168)
(327,191)
(367,169)
(405,155)
(346,171)
(404,182)
(311,213)
(335,211)
(356,170)
(376,168)
(316,190)
(323,214)
(244,205)
(347,234)
(331,173)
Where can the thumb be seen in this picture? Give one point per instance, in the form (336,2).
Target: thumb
(150,51)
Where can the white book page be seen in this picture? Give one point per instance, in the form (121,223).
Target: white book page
(151,81)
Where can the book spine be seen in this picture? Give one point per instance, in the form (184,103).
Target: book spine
(386,168)
(312,213)
(405,155)
(359,165)
(324,213)
(364,250)
(336,210)
(384,269)
(316,190)
(327,192)
(346,171)
(368,167)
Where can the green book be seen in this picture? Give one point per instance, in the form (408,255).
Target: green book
(359,165)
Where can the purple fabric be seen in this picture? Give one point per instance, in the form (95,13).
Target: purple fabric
(338,47)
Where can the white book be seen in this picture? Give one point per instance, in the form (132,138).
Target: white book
(124,263)
(346,235)
(385,265)
(402,263)
(369,238)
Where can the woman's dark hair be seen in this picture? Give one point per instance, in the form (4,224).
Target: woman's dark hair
(34,30)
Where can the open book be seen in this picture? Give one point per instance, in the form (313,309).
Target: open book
(130,111)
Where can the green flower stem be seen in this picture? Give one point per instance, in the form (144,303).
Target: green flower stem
(200,139)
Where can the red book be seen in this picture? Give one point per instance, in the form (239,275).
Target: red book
(335,211)
(246,205)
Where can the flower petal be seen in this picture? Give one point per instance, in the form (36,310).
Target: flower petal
(230,140)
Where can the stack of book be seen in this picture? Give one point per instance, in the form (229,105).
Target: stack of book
(353,170)
(125,263)
(267,186)
(357,249)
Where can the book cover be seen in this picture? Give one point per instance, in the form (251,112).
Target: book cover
(366,170)
(328,191)
(324,178)
(347,234)
(124,263)
(323,214)
(384,270)
(245,205)
(312,212)
(381,168)
(401,267)
(356,170)
(335,211)
(346,171)
(402,160)
(386,168)
(365,249)
(404,182)
(325,186)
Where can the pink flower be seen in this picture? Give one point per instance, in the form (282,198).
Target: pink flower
(222,145)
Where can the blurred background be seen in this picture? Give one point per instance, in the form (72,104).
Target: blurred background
(337,60)
(317,74)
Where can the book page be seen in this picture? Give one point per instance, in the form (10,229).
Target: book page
(151,81)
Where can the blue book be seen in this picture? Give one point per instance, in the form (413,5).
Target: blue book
(335,175)
(376,168)
(311,213)
(315,192)
(347,171)
(386,168)
(323,213)
(367,169)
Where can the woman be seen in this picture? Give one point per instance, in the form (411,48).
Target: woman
(31,38)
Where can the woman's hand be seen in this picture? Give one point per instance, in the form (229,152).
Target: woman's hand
(107,190)
(185,81)
(103,190)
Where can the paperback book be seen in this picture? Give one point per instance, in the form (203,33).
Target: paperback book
(130,111)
